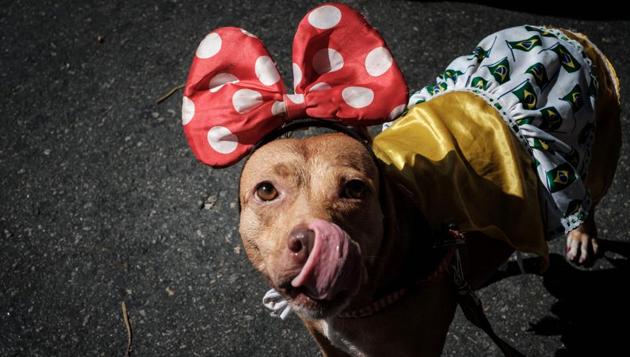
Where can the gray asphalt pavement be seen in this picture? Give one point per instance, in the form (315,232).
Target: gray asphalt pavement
(102,202)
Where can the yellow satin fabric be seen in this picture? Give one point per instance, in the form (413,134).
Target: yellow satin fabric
(460,160)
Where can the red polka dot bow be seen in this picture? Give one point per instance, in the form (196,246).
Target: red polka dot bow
(234,96)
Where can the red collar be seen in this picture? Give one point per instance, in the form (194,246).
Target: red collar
(457,238)
(387,300)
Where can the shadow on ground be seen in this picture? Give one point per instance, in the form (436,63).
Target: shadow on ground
(591,304)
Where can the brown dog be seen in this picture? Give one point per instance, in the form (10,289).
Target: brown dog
(295,192)
(331,231)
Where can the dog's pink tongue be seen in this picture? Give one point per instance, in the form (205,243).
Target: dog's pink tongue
(333,263)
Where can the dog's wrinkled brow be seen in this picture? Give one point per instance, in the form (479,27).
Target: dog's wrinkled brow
(353,161)
(289,171)
(283,170)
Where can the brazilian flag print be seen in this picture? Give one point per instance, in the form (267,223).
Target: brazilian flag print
(441,87)
(551,119)
(479,83)
(539,73)
(523,121)
(569,63)
(450,74)
(575,98)
(541,145)
(526,95)
(573,207)
(542,32)
(500,70)
(560,177)
(526,44)
(572,157)
(435,89)
(480,53)
(585,133)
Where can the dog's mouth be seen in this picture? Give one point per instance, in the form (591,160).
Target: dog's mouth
(332,273)
(304,298)
(312,307)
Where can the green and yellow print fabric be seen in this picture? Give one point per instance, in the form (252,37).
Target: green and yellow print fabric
(541,83)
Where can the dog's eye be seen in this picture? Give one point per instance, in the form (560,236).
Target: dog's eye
(266,192)
(355,189)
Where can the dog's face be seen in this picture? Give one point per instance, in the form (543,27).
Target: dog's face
(311,220)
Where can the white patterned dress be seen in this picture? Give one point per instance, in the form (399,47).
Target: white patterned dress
(541,83)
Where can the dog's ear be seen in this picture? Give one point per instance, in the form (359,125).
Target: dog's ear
(398,200)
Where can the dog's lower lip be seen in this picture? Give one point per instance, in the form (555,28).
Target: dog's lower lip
(294,293)
(307,302)
(300,293)
(301,297)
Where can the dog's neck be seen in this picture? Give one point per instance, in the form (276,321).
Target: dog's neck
(406,253)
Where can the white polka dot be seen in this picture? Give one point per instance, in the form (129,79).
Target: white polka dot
(327,60)
(319,86)
(188,110)
(266,71)
(248,33)
(217,82)
(246,99)
(396,112)
(324,17)
(296,98)
(209,46)
(278,107)
(222,140)
(357,97)
(297,75)
(378,61)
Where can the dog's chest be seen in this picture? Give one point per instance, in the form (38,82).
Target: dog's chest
(337,338)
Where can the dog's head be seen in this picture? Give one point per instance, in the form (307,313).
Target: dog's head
(311,220)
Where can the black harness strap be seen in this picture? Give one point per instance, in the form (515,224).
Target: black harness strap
(468,299)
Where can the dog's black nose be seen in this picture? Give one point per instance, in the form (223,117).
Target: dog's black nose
(300,243)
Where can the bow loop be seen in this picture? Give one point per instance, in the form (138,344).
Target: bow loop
(234,95)
(335,50)
(230,96)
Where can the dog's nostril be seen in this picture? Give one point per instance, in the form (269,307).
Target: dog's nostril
(301,240)
(295,245)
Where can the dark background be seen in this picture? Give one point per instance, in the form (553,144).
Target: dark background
(101,201)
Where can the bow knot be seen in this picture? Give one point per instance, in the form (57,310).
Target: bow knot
(294,105)
(234,96)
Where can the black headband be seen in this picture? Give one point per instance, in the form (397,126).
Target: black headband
(314,123)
